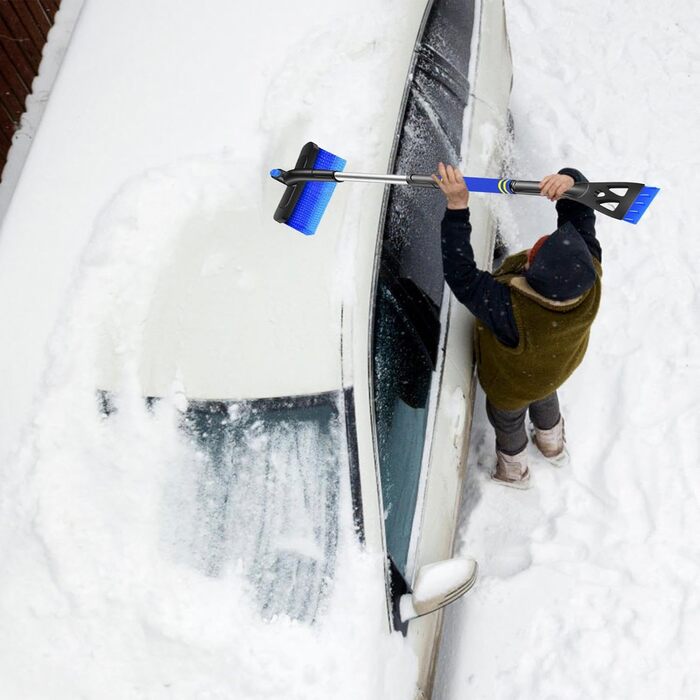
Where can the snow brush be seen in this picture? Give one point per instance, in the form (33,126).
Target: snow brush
(314,177)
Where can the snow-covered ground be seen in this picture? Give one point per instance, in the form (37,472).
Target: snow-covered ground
(590,582)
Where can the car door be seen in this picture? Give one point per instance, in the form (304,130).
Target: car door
(410,318)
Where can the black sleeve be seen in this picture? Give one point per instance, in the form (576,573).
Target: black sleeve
(580,215)
(487,299)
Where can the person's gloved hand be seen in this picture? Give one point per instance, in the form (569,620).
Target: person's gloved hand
(452,184)
(554,186)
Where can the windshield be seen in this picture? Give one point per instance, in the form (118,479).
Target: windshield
(267,477)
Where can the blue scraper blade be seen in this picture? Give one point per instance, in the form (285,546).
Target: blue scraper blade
(640,204)
(315,195)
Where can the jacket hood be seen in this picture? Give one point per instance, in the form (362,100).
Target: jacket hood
(563,267)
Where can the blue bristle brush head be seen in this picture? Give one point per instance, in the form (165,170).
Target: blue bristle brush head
(315,195)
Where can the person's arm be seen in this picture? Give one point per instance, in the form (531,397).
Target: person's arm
(581,216)
(487,299)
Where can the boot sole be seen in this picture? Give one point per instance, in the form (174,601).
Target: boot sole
(561,460)
(522,485)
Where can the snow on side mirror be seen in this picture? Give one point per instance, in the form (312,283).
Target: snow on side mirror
(437,585)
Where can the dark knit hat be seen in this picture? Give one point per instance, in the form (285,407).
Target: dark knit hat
(563,267)
(535,248)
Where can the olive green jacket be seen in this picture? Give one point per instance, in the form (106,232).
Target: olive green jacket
(553,340)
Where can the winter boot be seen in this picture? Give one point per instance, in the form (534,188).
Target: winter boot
(512,470)
(552,444)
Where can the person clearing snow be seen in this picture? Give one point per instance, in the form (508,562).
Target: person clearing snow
(534,315)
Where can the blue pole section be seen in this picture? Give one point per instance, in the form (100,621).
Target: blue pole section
(488,184)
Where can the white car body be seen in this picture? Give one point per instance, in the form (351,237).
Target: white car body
(272,320)
(296,335)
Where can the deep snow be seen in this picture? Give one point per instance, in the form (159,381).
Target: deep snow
(588,582)
(589,585)
(106,589)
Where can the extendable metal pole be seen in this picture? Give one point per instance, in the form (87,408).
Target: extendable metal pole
(415,180)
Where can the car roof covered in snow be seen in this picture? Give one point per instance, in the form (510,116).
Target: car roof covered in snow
(241,308)
(264,315)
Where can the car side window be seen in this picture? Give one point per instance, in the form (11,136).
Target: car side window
(402,371)
(410,289)
(431,130)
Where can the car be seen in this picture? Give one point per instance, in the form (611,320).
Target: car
(325,384)
(307,390)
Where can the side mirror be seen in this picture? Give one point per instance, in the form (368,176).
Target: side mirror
(438,585)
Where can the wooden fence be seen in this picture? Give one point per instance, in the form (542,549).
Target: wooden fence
(24,25)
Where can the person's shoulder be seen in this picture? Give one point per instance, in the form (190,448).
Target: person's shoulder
(514,264)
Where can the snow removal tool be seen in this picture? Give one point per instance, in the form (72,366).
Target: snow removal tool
(311,183)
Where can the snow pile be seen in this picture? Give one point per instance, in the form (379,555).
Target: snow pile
(146,104)
(589,584)
(101,593)
(105,569)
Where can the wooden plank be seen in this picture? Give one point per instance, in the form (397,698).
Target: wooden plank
(15,55)
(23,24)
(8,125)
(13,84)
(6,138)
(56,6)
(7,118)
(8,115)
(11,75)
(49,7)
(5,145)
(36,12)
(12,112)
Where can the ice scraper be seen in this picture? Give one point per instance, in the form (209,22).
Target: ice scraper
(310,184)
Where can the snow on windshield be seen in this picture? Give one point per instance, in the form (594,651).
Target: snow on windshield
(100,593)
(267,478)
(151,553)
(259,491)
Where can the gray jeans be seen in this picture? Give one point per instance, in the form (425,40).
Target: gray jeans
(511,437)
